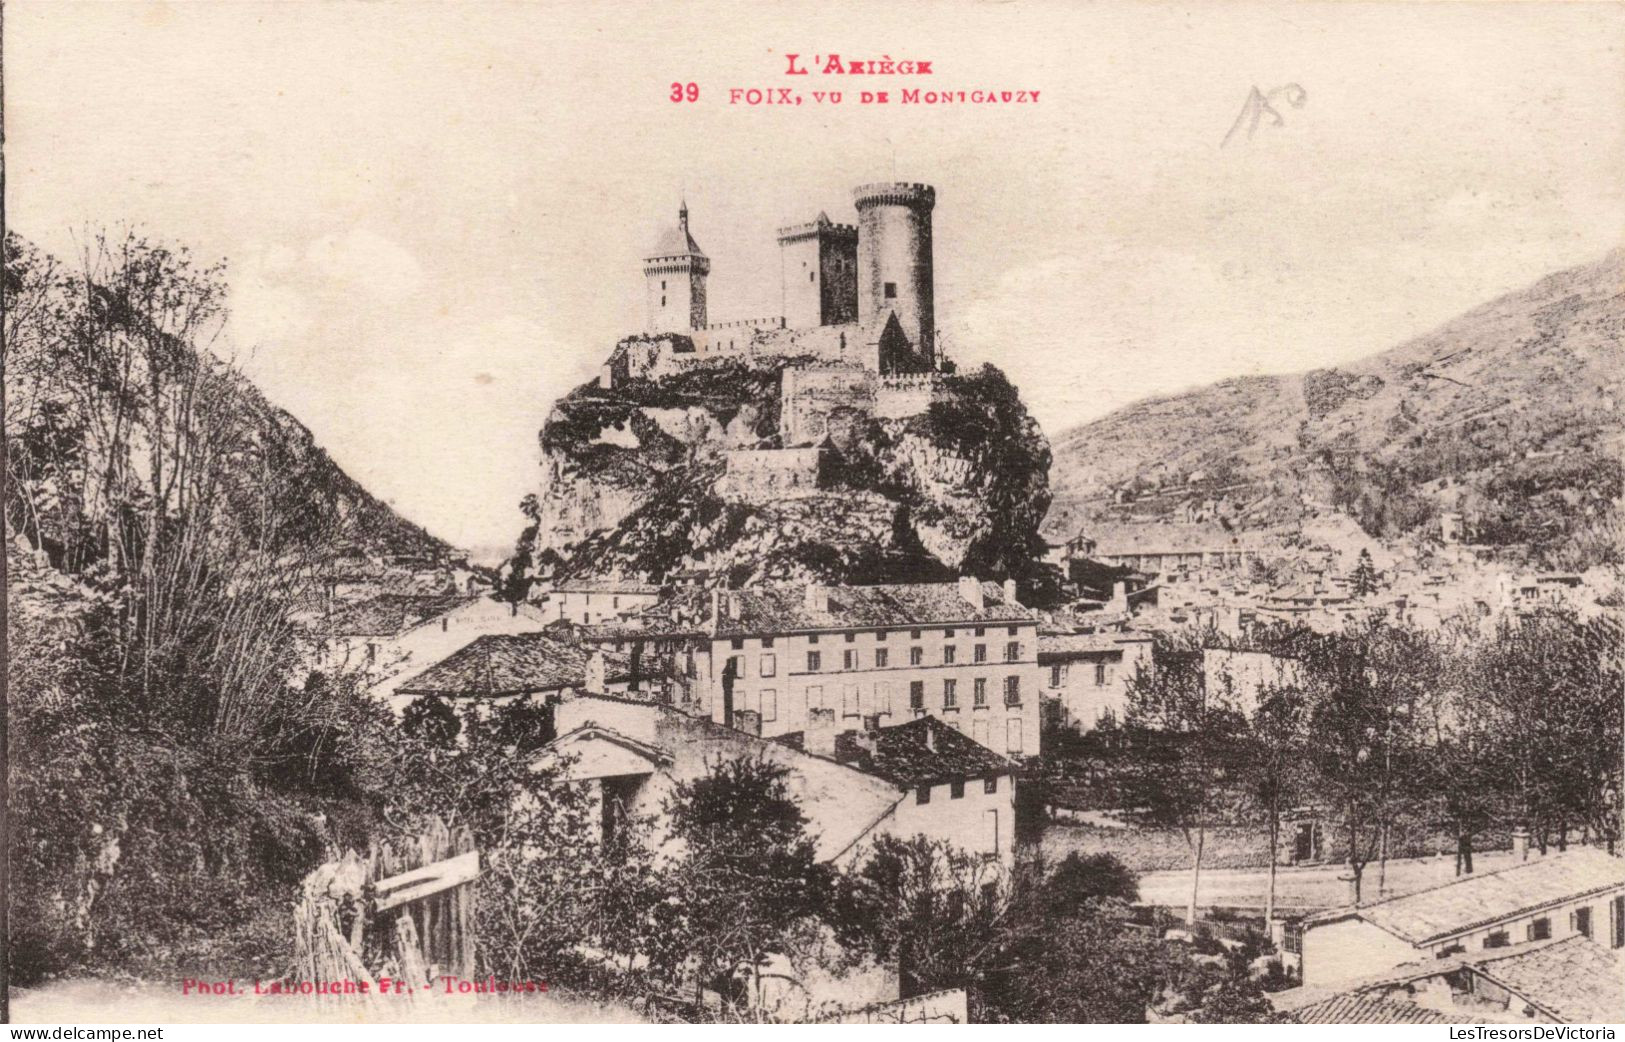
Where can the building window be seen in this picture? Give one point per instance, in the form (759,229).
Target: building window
(1055,675)
(850,637)
(1580,921)
(1292,938)
(880,635)
(1497,939)
(990,786)
(1616,911)
(662,300)
(981,631)
(662,283)
(813,661)
(1012,652)
(767,642)
(979,653)
(916,656)
(978,730)
(614,602)
(890,291)
(849,660)
(949,633)
(849,700)
(950,694)
(812,638)
(1100,674)
(1012,631)
(1012,691)
(922,794)
(1539,930)
(916,694)
(1012,735)
(992,818)
(770,704)
(956,790)
(880,658)
(914,634)
(979,691)
(883,698)
(815,697)
(811,277)
(948,655)
(737,643)
(770,665)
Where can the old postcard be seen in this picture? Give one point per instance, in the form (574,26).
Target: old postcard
(844,513)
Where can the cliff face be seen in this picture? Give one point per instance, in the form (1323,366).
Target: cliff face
(634,482)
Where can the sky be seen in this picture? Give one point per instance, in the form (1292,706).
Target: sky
(434,214)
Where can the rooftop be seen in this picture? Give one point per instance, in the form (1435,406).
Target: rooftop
(1373,1009)
(901,754)
(1480,900)
(511,664)
(786,609)
(389,614)
(1575,979)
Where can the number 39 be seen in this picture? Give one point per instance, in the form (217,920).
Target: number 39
(685,92)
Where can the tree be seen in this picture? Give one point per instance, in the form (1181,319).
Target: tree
(1181,772)
(748,872)
(1080,879)
(1552,682)
(1274,772)
(1364,579)
(1364,687)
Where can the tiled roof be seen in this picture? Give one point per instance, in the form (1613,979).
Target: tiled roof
(901,756)
(1079,643)
(389,614)
(511,664)
(783,609)
(1370,1009)
(605,586)
(1576,979)
(1479,900)
(675,241)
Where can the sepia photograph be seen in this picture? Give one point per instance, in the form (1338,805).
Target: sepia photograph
(872,512)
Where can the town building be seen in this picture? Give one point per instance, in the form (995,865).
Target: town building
(588,602)
(390,638)
(1580,892)
(494,670)
(854,785)
(965,652)
(1569,980)
(1088,673)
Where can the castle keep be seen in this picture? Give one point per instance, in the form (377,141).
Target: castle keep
(857,314)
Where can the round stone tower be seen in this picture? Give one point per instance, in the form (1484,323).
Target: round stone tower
(894,260)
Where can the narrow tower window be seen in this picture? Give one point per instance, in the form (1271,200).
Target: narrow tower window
(891,291)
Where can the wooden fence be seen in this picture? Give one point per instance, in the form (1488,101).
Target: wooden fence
(404,911)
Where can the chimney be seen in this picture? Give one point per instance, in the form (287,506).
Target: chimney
(820,735)
(1010,592)
(1520,844)
(595,673)
(748,721)
(817,597)
(930,735)
(1119,601)
(970,588)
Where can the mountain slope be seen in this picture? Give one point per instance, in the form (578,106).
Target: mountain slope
(1507,415)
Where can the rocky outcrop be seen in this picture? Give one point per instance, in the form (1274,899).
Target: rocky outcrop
(633,483)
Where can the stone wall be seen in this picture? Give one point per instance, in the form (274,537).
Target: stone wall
(756,475)
(807,397)
(902,396)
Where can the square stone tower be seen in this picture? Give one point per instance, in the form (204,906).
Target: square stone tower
(818,269)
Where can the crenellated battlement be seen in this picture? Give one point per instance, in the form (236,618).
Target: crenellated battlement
(897,193)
